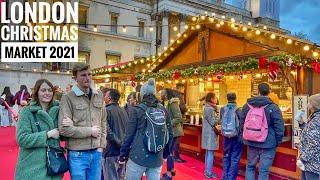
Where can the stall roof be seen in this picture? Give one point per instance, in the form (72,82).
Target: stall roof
(264,41)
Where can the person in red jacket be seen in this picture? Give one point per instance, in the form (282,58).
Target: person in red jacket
(22,96)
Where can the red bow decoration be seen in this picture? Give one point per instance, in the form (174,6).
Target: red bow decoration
(263,62)
(315,66)
(176,75)
(273,68)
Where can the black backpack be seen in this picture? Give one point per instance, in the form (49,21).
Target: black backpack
(156,134)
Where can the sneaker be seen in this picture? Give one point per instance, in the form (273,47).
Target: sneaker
(179,160)
(210,176)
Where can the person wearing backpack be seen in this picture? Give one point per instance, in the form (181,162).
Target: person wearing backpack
(209,138)
(148,136)
(232,141)
(263,130)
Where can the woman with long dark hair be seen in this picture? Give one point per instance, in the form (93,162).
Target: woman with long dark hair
(22,96)
(209,137)
(36,130)
(6,119)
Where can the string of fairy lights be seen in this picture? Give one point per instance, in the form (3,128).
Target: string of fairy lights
(197,23)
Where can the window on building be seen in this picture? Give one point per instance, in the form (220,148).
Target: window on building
(83,16)
(114,23)
(141,29)
(112,59)
(83,57)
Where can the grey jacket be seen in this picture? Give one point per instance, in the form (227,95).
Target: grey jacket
(310,144)
(209,140)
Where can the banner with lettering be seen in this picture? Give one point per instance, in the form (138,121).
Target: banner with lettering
(300,112)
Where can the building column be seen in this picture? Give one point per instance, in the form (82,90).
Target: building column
(153,36)
(165,29)
(182,21)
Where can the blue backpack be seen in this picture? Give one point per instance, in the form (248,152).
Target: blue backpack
(230,121)
(156,134)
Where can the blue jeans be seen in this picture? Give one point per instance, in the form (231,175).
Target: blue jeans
(112,169)
(309,176)
(209,162)
(232,150)
(265,158)
(85,165)
(135,171)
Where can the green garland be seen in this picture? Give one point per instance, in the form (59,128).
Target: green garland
(250,64)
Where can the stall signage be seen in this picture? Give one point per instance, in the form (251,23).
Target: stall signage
(300,110)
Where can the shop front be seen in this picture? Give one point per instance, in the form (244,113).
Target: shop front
(222,56)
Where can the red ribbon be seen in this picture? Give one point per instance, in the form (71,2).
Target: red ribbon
(263,62)
(315,66)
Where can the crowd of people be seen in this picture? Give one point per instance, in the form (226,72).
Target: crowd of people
(107,141)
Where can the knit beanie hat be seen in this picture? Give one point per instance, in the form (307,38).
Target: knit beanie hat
(148,88)
(314,100)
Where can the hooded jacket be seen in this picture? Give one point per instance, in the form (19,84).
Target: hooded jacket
(274,118)
(133,146)
(175,117)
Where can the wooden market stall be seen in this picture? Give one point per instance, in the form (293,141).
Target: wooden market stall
(223,56)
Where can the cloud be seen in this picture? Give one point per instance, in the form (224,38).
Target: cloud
(301,16)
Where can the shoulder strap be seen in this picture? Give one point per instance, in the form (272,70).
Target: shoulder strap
(142,106)
(249,106)
(37,122)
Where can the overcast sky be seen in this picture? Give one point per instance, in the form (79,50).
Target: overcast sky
(301,16)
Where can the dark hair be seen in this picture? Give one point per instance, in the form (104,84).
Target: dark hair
(209,96)
(104,90)
(231,97)
(79,67)
(114,95)
(170,93)
(264,89)
(36,89)
(132,94)
(6,91)
(23,87)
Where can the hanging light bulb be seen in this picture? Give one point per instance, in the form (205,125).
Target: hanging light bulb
(185,35)
(249,23)
(306,48)
(203,17)
(95,29)
(223,17)
(315,54)
(211,19)
(165,48)
(178,34)
(194,18)
(289,41)
(198,26)
(232,25)
(171,41)
(273,36)
(186,26)
(151,29)
(257,32)
(175,28)
(265,27)
(218,25)
(244,28)
(124,29)
(233,20)
(221,22)
(213,14)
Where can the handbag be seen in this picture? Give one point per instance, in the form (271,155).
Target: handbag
(215,130)
(56,162)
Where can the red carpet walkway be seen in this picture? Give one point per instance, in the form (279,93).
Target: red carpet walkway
(192,170)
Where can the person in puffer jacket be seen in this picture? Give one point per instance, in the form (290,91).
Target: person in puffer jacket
(309,149)
(264,152)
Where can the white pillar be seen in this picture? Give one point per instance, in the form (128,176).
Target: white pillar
(153,37)
(182,21)
(165,29)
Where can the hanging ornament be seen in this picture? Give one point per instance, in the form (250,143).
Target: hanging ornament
(220,75)
(196,72)
(263,62)
(290,61)
(176,75)
(315,66)
(273,70)
(240,77)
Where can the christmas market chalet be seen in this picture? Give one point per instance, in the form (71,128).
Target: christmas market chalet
(222,55)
